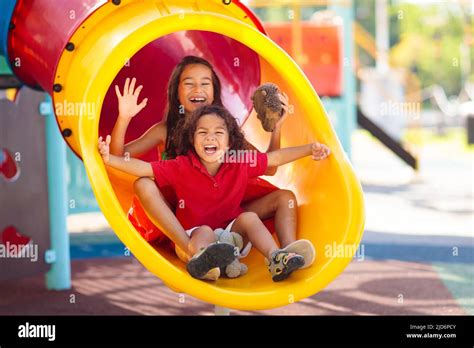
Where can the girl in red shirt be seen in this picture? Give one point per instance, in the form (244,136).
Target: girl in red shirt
(206,175)
(194,83)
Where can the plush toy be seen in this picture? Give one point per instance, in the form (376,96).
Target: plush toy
(268,106)
(236,268)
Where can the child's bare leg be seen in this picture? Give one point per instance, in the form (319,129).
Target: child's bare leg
(252,229)
(280,263)
(159,212)
(282,205)
(201,238)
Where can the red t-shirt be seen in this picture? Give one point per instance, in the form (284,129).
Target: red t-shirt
(203,199)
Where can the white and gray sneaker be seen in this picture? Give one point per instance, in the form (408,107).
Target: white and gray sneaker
(304,248)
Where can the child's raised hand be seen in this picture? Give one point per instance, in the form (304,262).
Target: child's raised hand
(319,151)
(128,101)
(104,148)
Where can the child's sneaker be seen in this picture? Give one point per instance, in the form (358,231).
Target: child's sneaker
(304,248)
(282,264)
(214,255)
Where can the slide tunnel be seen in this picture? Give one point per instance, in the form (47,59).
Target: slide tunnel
(78,50)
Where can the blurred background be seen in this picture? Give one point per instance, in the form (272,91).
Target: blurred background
(396,79)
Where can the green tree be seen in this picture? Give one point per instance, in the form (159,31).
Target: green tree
(430,38)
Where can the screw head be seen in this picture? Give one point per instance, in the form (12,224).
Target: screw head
(57,87)
(67,132)
(116,2)
(70,46)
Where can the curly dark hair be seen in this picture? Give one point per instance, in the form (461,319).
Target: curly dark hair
(186,137)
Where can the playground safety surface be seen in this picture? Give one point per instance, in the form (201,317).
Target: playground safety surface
(121,286)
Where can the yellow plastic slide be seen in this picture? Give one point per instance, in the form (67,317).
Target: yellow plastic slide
(331,209)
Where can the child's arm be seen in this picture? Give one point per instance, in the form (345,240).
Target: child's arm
(279,157)
(275,138)
(128,165)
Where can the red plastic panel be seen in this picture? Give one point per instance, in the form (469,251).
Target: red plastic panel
(323,48)
(41,31)
(237,66)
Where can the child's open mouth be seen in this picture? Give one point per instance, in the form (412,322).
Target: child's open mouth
(197,100)
(210,149)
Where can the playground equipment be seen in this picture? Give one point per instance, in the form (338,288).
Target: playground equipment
(384,89)
(79,60)
(322,51)
(319,47)
(33,235)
